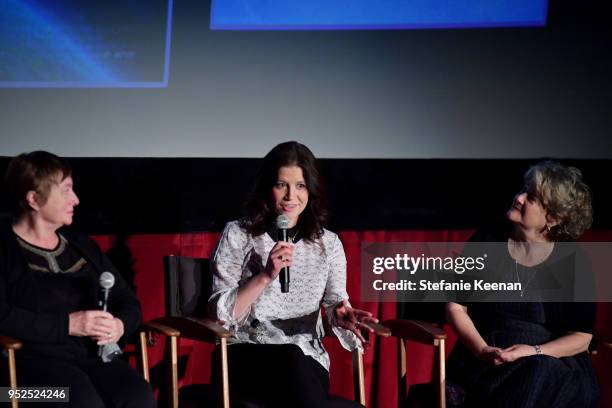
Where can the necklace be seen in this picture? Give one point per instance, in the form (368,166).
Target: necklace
(545,255)
(291,239)
(518,279)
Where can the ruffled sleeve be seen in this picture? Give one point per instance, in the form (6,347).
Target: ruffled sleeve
(227,266)
(335,293)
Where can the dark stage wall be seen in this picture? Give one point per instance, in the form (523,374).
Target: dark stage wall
(134,196)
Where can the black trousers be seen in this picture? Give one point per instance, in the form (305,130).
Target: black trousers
(93,384)
(270,375)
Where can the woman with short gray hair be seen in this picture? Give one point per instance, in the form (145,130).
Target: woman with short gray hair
(529,353)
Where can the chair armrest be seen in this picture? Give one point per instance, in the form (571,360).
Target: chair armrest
(10,343)
(421,332)
(160,328)
(380,330)
(204,330)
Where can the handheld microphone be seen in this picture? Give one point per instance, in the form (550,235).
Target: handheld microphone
(282,223)
(107,352)
(107,281)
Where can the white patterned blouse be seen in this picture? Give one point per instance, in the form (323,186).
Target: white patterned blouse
(318,277)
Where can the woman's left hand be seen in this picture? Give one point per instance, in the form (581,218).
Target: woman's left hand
(516,352)
(114,334)
(354,320)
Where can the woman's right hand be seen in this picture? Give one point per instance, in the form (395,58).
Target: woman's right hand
(491,355)
(90,323)
(281,255)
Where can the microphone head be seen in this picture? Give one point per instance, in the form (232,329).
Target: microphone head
(282,222)
(107,280)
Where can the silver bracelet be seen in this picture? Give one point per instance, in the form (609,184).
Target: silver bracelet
(537,349)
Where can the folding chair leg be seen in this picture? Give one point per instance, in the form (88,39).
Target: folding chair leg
(12,375)
(144,356)
(225,398)
(358,377)
(439,377)
(173,373)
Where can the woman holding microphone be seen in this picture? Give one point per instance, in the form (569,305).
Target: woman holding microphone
(276,355)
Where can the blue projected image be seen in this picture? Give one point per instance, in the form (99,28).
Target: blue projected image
(374,14)
(75,43)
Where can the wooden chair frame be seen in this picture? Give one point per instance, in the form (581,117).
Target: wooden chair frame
(11,345)
(424,333)
(209,331)
(174,327)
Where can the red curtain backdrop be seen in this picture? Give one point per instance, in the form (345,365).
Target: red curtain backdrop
(380,359)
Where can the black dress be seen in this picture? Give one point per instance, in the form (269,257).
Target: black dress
(534,381)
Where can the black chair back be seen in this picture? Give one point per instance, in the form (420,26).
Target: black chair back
(188,285)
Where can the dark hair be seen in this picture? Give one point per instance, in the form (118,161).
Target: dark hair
(36,171)
(564,196)
(259,211)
